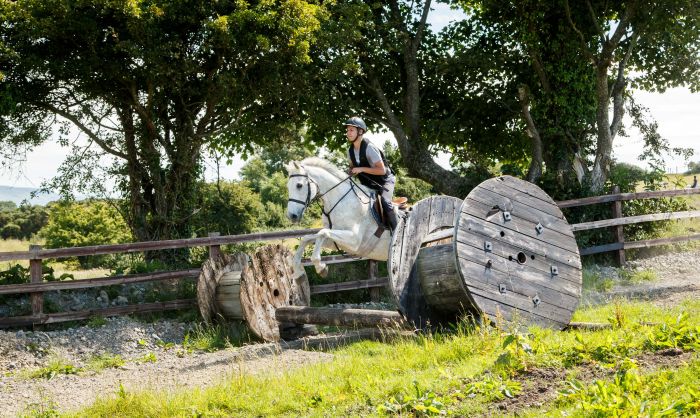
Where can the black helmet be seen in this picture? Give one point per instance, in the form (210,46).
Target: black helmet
(356,122)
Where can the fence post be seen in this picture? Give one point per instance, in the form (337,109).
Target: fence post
(617,230)
(214,250)
(372,273)
(37,298)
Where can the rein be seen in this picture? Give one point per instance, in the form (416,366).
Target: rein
(318,196)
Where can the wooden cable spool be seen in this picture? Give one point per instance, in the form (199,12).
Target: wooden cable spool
(512,256)
(238,287)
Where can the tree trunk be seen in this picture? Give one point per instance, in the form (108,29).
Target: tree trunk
(603,156)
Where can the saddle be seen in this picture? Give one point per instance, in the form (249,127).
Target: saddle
(378,211)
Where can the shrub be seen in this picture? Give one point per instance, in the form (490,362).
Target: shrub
(82,224)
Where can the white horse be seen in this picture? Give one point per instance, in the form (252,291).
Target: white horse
(347,220)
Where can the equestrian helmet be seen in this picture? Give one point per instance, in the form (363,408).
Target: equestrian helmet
(356,122)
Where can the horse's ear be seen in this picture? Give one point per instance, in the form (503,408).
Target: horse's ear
(296,165)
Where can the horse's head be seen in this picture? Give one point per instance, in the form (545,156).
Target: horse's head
(301,190)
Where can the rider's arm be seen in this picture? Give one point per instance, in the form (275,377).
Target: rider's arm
(377,170)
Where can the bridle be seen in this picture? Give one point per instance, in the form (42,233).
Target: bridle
(318,196)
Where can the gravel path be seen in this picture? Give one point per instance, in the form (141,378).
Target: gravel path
(174,368)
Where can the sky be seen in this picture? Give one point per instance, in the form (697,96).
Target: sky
(677,112)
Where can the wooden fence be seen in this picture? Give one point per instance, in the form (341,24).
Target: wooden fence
(37,287)
(36,254)
(617,221)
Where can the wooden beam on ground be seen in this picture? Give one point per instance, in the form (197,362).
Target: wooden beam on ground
(340,317)
(331,341)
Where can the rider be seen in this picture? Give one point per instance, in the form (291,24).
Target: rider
(368,162)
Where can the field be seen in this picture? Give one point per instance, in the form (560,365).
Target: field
(647,363)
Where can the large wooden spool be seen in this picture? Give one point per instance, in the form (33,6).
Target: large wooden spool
(512,256)
(238,287)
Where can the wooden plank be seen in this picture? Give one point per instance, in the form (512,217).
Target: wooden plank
(35,272)
(98,282)
(155,245)
(494,309)
(635,219)
(502,268)
(350,285)
(618,232)
(440,281)
(626,196)
(601,248)
(523,195)
(518,225)
(530,189)
(340,317)
(638,244)
(17,321)
(660,241)
(439,235)
(521,282)
(550,222)
(472,225)
(505,250)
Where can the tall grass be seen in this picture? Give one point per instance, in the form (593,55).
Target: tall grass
(413,374)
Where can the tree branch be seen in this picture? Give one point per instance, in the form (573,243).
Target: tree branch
(76,121)
(587,52)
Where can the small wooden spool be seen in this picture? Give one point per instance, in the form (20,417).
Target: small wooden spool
(238,287)
(512,256)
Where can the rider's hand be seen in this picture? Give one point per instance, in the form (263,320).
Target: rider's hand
(356,170)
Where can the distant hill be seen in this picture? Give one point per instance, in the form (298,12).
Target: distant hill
(18,194)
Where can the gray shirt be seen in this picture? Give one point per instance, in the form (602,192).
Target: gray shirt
(373,155)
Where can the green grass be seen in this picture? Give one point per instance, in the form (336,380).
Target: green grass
(55,367)
(216,337)
(459,373)
(105,361)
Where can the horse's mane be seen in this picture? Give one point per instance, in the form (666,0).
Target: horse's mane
(326,165)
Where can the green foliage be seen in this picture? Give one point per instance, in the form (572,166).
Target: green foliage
(96,322)
(693,167)
(228,208)
(55,367)
(173,79)
(638,276)
(516,356)
(494,388)
(592,280)
(420,403)
(632,394)
(18,274)
(85,223)
(680,334)
(21,222)
(216,337)
(105,361)
(147,358)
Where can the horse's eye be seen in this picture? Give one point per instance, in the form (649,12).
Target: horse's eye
(299,186)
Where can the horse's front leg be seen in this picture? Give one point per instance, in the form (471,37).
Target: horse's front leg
(344,238)
(298,268)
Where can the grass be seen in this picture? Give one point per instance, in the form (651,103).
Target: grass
(216,337)
(105,361)
(460,373)
(55,367)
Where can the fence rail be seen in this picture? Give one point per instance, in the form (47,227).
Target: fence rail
(36,254)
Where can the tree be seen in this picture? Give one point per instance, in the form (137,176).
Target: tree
(581,57)
(370,60)
(151,85)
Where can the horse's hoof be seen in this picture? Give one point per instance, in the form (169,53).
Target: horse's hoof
(323,272)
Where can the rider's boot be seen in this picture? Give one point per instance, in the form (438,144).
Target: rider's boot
(393,220)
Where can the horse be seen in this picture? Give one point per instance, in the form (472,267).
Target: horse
(348,224)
